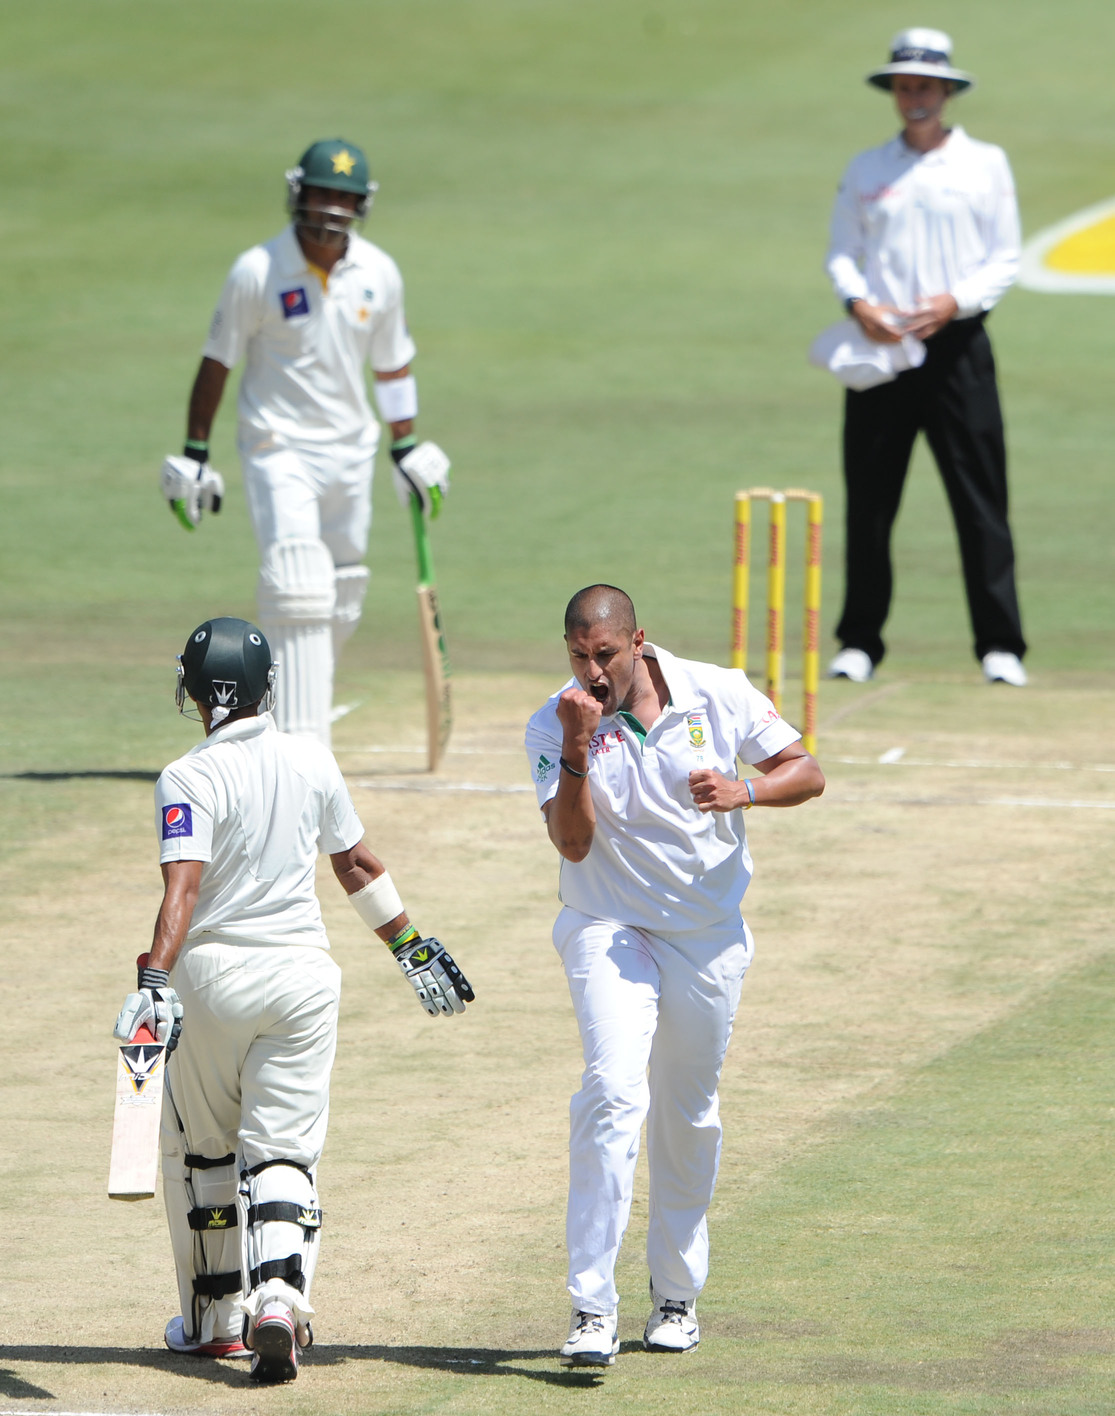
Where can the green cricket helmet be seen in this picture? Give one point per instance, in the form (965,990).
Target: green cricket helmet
(226,664)
(336,166)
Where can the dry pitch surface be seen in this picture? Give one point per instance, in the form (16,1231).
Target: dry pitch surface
(913,905)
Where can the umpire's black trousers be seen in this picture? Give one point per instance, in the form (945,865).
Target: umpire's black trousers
(953,399)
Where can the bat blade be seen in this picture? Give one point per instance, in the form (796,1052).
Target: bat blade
(140,1073)
(435,656)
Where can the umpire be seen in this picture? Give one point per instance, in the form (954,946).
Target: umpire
(925,242)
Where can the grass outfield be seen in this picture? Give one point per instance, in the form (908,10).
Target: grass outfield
(611,220)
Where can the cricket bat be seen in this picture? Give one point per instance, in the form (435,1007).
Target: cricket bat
(435,658)
(140,1071)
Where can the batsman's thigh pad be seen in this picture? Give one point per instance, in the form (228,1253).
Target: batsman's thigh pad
(283,491)
(200,1193)
(351,586)
(297,597)
(282,1232)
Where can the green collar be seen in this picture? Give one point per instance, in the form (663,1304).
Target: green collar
(634,724)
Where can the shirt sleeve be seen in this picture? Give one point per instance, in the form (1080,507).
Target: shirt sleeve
(184,810)
(341,828)
(239,311)
(982,289)
(763,731)
(391,346)
(544,755)
(846,252)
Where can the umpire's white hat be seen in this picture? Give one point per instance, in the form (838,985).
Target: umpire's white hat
(921,51)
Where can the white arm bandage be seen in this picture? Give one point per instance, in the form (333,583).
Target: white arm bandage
(397,399)
(378,903)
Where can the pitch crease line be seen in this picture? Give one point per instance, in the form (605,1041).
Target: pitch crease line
(441,788)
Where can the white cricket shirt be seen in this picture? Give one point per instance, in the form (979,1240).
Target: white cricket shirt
(257,806)
(907,225)
(656,862)
(306,347)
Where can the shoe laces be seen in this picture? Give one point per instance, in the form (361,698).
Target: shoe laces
(590,1322)
(673,1310)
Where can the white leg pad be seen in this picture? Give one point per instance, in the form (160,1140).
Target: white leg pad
(204,1222)
(352,586)
(281,1222)
(297,596)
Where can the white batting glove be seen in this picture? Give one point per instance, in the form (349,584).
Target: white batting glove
(420,471)
(439,983)
(156,1006)
(191,488)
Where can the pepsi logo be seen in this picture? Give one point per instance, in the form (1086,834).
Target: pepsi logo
(175,816)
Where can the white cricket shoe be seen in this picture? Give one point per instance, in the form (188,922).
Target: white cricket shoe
(592,1341)
(852,664)
(275,1345)
(999,666)
(672,1325)
(175,1338)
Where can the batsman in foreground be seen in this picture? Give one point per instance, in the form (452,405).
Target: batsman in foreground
(308,310)
(634,762)
(240,968)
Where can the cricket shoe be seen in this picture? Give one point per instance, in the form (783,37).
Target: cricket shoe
(672,1325)
(853,664)
(275,1346)
(999,666)
(176,1339)
(593,1340)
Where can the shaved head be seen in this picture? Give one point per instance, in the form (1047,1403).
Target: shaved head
(601,607)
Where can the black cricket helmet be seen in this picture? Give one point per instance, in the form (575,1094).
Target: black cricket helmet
(226,664)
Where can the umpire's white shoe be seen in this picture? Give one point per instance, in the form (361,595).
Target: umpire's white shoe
(1002,667)
(593,1340)
(672,1325)
(852,664)
(275,1345)
(175,1338)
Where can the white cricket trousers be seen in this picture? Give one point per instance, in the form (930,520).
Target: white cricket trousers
(259,1034)
(318,496)
(655,1013)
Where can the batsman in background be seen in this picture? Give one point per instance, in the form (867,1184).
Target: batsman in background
(634,763)
(307,310)
(240,968)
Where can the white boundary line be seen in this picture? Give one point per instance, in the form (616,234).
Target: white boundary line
(1026,803)
(23,1410)
(375,784)
(1035,275)
(896,757)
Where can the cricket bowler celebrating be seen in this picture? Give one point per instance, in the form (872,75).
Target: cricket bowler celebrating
(307,310)
(251,1013)
(634,761)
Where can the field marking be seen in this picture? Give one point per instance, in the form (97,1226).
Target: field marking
(865,700)
(1027,803)
(375,784)
(450,752)
(23,1410)
(896,757)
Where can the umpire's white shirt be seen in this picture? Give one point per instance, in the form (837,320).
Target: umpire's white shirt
(306,346)
(656,861)
(908,225)
(257,806)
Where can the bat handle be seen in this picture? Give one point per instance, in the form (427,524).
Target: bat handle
(421,543)
(143,1035)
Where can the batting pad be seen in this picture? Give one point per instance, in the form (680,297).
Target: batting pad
(351,582)
(281,1237)
(297,597)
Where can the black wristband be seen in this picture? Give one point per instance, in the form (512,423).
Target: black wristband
(199,451)
(565,767)
(401,446)
(852,300)
(153,978)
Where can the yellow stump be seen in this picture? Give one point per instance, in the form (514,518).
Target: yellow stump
(776,597)
(741,574)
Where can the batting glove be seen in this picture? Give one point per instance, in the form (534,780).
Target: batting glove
(439,983)
(420,471)
(191,487)
(156,1006)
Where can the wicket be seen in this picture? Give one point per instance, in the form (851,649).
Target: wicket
(776,597)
